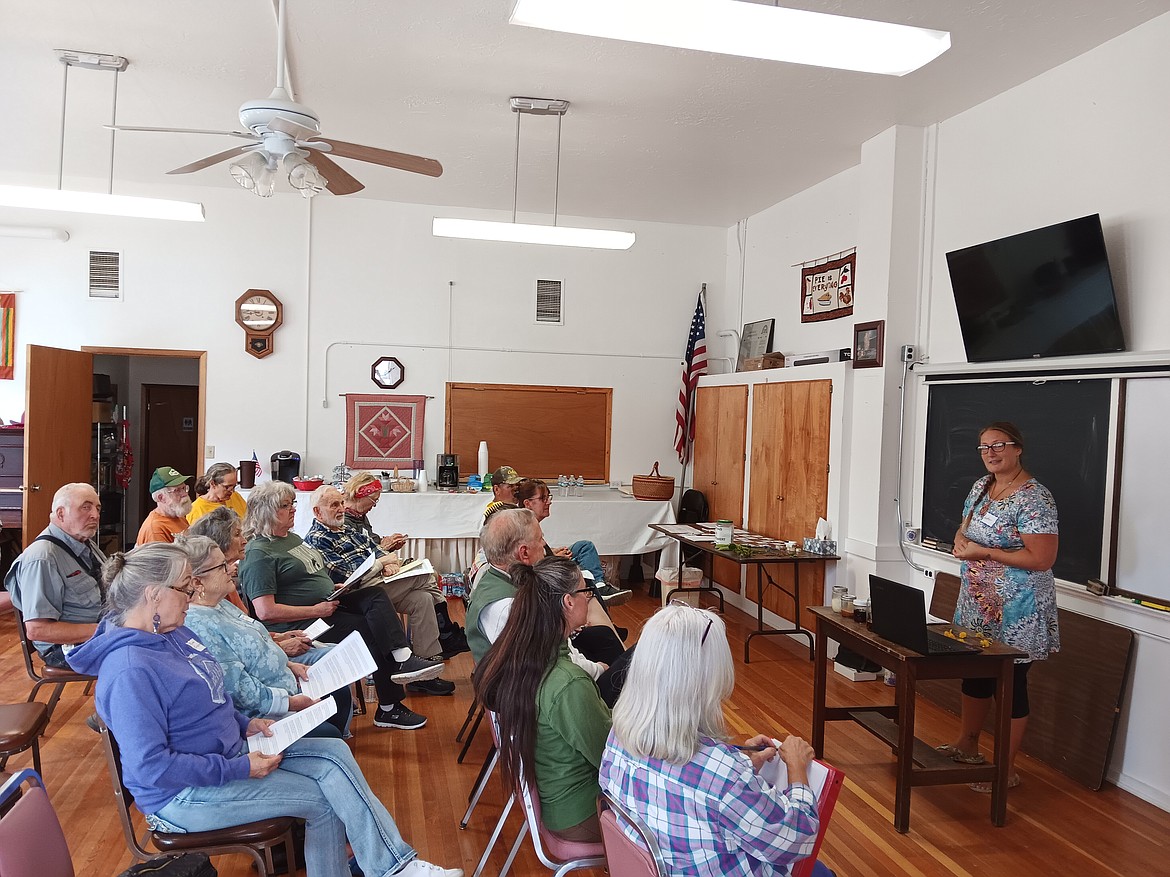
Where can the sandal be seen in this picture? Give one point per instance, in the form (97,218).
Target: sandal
(985,788)
(957,754)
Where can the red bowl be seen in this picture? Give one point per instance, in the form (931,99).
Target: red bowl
(307,483)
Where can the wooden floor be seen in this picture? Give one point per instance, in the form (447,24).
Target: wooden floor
(1054,825)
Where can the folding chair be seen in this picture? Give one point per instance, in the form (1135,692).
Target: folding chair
(31,841)
(55,676)
(625,855)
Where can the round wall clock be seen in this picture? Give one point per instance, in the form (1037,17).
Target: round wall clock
(259,314)
(387,372)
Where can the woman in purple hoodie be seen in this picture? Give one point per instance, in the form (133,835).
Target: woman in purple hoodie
(184,752)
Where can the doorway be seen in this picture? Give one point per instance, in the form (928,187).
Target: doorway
(170,422)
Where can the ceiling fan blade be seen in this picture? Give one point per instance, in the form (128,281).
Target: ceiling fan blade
(244,134)
(341,182)
(291,128)
(414,163)
(210,160)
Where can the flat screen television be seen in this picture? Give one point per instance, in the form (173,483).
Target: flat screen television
(1045,292)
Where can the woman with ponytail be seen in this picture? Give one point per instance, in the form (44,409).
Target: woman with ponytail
(552,722)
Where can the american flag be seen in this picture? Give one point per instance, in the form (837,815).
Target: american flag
(694,365)
(256,463)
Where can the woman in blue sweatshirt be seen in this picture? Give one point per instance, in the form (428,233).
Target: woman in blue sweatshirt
(184,753)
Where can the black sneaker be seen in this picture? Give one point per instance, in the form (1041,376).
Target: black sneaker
(399,716)
(612,596)
(455,644)
(416,669)
(438,687)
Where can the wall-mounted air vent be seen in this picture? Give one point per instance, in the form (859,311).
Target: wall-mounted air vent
(105,274)
(549,301)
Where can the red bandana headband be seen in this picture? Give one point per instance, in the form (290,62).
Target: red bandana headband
(365,490)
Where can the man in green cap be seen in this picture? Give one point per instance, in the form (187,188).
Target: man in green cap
(168,488)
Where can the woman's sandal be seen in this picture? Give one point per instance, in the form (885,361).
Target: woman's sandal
(957,754)
(985,788)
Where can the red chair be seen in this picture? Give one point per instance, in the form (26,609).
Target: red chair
(626,856)
(31,841)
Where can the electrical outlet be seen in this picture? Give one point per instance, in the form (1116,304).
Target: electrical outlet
(911,535)
(908,353)
(210,449)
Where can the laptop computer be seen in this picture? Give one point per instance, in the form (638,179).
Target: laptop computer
(899,615)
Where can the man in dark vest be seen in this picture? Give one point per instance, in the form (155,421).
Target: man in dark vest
(56,581)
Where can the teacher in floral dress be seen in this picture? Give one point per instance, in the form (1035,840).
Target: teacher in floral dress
(1007,542)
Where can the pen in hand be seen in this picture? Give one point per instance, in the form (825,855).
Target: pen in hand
(752,748)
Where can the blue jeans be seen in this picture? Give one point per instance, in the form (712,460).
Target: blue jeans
(317,781)
(585,556)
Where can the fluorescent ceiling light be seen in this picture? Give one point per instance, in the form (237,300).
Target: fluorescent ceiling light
(42,233)
(522,233)
(733,27)
(99,203)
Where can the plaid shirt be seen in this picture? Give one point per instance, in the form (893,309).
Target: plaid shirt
(713,817)
(344,550)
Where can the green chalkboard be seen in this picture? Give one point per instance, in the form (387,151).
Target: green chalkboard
(1066,428)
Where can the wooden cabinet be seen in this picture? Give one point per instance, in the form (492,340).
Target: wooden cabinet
(789,482)
(720,441)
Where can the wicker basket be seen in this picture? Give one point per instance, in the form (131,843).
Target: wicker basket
(654,486)
(402,485)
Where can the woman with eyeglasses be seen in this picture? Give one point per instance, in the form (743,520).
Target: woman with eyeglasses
(183,744)
(1007,542)
(552,722)
(216,489)
(258,675)
(668,761)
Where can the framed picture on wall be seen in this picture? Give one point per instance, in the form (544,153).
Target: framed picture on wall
(755,340)
(868,340)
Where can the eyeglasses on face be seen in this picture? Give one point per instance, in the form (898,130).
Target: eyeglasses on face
(206,572)
(588,592)
(188,591)
(292,503)
(994,446)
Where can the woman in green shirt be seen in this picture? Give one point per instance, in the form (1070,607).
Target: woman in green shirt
(552,720)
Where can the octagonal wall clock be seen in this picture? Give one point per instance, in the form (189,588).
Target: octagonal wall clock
(388,373)
(259,314)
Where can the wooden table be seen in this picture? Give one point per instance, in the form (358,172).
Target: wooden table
(759,561)
(918,763)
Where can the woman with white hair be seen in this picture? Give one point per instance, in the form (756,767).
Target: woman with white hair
(667,759)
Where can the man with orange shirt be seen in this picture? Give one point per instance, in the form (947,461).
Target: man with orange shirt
(168,488)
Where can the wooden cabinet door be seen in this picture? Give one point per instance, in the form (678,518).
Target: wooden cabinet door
(720,442)
(790,480)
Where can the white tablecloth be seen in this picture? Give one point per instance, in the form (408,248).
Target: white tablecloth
(445,526)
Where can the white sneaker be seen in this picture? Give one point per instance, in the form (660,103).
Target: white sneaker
(419,868)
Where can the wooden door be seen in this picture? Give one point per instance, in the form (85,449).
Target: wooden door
(790,480)
(720,442)
(170,434)
(58,406)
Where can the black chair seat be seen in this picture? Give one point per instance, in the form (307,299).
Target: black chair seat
(263,831)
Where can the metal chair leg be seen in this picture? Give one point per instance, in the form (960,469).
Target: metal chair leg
(496,835)
(471,711)
(481,781)
(470,737)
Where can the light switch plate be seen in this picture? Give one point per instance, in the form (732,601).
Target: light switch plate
(210,449)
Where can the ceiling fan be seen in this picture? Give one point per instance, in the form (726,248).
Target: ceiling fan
(284,133)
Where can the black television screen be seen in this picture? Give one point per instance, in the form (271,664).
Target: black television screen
(1045,292)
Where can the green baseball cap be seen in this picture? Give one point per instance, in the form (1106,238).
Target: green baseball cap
(165,476)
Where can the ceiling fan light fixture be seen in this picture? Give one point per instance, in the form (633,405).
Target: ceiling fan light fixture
(304,176)
(733,27)
(524,233)
(100,203)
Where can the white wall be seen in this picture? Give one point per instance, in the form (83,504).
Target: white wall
(369,273)
(1083,138)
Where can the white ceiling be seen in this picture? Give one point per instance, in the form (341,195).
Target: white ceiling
(653,133)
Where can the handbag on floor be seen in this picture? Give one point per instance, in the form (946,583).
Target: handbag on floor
(187,865)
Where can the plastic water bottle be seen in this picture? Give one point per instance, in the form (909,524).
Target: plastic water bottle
(580,485)
(561,482)
(371,692)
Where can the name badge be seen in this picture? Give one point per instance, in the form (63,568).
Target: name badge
(988,520)
(196,645)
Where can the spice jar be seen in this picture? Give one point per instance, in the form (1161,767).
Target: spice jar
(861,611)
(838,592)
(847,605)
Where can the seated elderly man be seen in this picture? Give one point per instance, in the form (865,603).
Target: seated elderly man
(504,481)
(56,582)
(169,490)
(286,583)
(513,536)
(345,547)
(362,493)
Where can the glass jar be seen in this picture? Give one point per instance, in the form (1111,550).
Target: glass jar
(839,591)
(723,534)
(847,605)
(861,611)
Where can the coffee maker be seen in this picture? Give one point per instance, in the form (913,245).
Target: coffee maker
(286,465)
(448,467)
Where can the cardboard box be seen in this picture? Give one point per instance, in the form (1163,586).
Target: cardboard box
(768,360)
(856,675)
(103,412)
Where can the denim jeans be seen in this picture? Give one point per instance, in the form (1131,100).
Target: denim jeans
(585,556)
(317,781)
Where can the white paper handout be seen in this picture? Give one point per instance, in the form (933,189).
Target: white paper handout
(317,628)
(292,728)
(776,773)
(354,577)
(347,662)
(419,567)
